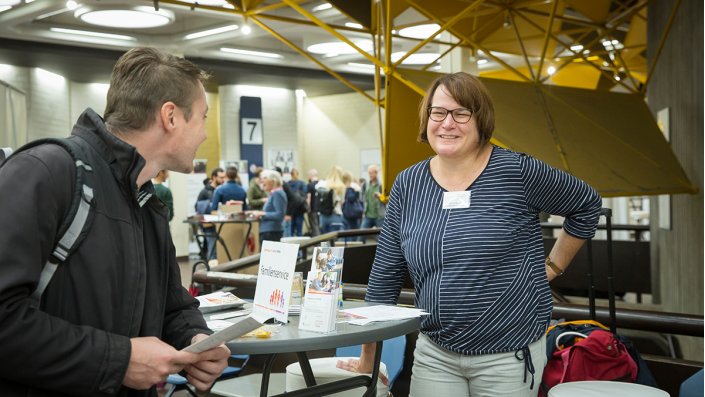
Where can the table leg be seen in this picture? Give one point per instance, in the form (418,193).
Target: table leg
(219,240)
(266,371)
(247,237)
(372,389)
(306,370)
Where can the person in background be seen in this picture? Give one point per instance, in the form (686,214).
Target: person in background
(256,196)
(230,192)
(374,216)
(331,218)
(203,206)
(272,216)
(163,192)
(465,224)
(206,194)
(113,319)
(297,186)
(312,202)
(352,206)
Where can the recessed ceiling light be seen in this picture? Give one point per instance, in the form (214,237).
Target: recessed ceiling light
(361,65)
(251,53)
(482,61)
(551,70)
(246,29)
(93,34)
(353,25)
(334,48)
(216,3)
(322,7)
(71,4)
(211,32)
(420,31)
(137,18)
(419,58)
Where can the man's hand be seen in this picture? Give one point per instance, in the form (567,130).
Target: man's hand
(152,360)
(211,363)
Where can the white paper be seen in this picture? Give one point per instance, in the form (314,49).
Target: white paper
(223,316)
(276,274)
(247,324)
(367,314)
(234,276)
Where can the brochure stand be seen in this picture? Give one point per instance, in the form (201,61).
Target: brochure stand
(323,290)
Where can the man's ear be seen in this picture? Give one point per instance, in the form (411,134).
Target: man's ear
(167,115)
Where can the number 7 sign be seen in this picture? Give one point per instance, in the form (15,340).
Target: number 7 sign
(251,131)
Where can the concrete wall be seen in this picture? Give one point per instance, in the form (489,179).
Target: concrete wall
(677,83)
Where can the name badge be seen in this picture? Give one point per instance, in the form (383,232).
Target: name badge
(453,200)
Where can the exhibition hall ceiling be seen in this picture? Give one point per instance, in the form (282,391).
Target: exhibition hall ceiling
(597,44)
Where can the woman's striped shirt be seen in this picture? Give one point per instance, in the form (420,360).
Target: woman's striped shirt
(479,271)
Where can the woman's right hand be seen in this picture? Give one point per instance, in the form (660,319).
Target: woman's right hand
(364,364)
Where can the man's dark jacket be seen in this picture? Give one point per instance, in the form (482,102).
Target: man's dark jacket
(122,282)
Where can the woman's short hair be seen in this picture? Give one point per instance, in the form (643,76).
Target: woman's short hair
(273,175)
(470,93)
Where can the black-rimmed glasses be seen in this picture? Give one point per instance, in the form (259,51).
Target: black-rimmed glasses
(459,115)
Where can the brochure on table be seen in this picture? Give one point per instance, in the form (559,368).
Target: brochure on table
(276,274)
(322,290)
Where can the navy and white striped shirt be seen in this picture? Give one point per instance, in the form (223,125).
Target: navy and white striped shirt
(479,271)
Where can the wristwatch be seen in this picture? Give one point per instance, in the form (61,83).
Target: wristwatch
(557,270)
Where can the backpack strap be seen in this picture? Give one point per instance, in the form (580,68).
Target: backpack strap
(77,222)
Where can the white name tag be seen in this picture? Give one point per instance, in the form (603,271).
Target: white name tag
(453,200)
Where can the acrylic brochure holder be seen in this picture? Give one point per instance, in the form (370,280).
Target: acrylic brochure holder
(323,290)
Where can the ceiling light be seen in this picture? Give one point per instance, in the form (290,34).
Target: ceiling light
(93,34)
(246,29)
(576,47)
(481,61)
(353,25)
(420,31)
(419,58)
(334,48)
(251,53)
(215,3)
(322,7)
(71,5)
(138,18)
(211,32)
(551,70)
(361,65)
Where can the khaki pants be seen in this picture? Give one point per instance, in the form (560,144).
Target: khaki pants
(439,373)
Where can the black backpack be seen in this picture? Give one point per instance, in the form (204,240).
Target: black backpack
(295,204)
(75,226)
(325,202)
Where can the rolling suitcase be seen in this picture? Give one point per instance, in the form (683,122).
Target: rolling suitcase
(588,350)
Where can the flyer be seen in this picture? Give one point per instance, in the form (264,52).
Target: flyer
(274,281)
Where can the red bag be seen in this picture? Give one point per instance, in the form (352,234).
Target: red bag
(598,356)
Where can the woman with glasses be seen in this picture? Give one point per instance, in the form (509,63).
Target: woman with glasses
(465,223)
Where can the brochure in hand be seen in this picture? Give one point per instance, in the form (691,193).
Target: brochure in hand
(239,328)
